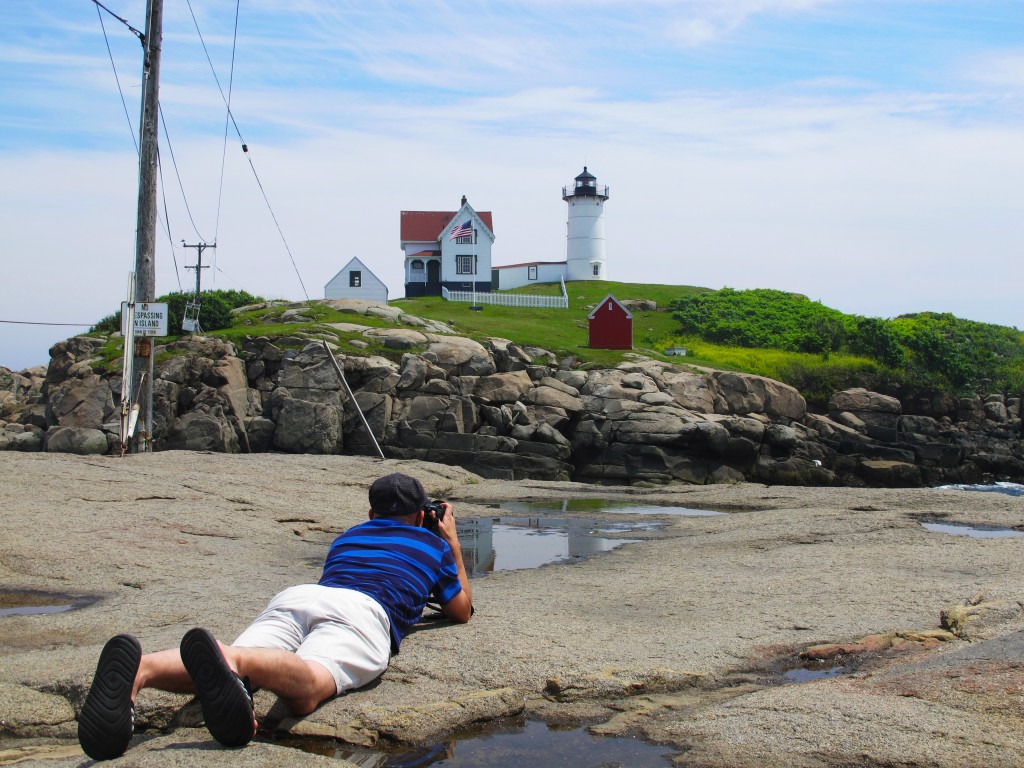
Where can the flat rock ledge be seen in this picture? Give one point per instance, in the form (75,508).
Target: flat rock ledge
(683,638)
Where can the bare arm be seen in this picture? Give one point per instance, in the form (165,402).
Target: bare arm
(460,607)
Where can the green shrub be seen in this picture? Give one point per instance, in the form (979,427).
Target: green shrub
(214,310)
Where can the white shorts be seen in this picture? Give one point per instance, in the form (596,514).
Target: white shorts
(346,631)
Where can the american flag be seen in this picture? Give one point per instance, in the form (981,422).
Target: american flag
(463,230)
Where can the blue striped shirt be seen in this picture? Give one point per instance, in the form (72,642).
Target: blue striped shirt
(398,565)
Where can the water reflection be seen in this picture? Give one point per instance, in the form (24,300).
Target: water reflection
(555,506)
(31,602)
(974,531)
(509,744)
(808,673)
(516,543)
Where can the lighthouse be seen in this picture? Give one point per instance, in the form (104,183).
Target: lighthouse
(585,252)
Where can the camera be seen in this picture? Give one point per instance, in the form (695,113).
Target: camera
(433,513)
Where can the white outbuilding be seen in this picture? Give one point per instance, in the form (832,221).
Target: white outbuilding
(355,281)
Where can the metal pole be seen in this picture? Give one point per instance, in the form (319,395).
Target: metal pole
(352,397)
(145,231)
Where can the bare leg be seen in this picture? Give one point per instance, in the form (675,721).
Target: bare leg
(163,670)
(302,685)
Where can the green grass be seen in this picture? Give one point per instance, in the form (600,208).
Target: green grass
(562,331)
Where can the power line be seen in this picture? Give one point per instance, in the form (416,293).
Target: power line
(245,147)
(33,323)
(174,163)
(113,66)
(230,120)
(137,33)
(167,219)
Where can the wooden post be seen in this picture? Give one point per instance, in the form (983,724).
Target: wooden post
(145,231)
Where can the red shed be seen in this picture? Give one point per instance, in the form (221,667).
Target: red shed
(611,325)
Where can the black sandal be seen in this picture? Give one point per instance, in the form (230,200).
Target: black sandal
(225,697)
(107,720)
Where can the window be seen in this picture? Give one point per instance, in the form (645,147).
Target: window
(417,265)
(597,270)
(465,265)
(355,278)
(531,272)
(467,240)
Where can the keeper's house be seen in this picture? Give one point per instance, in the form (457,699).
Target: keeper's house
(447,249)
(355,281)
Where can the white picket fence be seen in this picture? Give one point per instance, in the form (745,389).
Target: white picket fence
(509,299)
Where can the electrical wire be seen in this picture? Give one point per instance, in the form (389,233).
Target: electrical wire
(120,90)
(166,217)
(137,33)
(174,163)
(227,123)
(245,147)
(230,120)
(32,322)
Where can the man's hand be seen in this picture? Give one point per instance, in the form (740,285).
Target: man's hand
(446,525)
(460,607)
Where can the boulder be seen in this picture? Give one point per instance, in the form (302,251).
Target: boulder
(890,474)
(872,408)
(615,384)
(398,338)
(85,402)
(78,440)
(29,440)
(743,393)
(260,432)
(308,427)
(555,398)
(498,388)
(202,431)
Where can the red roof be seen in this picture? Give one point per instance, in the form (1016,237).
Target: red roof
(426,226)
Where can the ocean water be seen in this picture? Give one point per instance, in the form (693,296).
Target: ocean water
(1010,489)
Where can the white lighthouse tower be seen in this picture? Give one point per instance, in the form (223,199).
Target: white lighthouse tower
(585,253)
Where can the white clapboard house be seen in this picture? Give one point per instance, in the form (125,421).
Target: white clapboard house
(447,249)
(355,281)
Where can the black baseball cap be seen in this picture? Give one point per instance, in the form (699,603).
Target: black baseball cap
(396,495)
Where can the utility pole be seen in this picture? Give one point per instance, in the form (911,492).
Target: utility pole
(190,322)
(145,231)
(200,247)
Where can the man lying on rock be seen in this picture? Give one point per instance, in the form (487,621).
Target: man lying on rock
(311,643)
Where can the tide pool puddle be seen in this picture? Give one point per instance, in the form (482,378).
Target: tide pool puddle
(974,531)
(509,744)
(14,602)
(517,543)
(536,533)
(807,673)
(553,506)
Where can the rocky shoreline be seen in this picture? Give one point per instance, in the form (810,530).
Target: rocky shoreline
(680,638)
(508,412)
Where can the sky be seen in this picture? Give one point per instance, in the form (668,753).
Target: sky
(866,153)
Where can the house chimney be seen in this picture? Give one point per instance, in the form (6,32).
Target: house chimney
(463,199)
